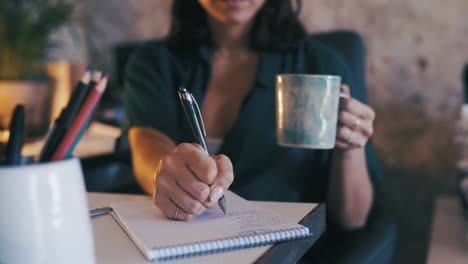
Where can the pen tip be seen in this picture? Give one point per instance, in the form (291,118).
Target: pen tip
(222,204)
(102,84)
(86,78)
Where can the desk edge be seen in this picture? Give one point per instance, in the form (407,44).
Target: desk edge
(292,251)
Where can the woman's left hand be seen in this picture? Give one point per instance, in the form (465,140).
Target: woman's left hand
(357,122)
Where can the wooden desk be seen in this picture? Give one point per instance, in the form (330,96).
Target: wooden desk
(449,241)
(99,139)
(113,246)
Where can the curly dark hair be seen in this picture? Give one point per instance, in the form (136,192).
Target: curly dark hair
(276,26)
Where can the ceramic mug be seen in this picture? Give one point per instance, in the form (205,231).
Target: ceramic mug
(307,110)
(44,214)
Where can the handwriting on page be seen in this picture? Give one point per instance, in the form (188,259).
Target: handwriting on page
(256,218)
(241,222)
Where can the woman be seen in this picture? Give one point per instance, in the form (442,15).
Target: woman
(227,53)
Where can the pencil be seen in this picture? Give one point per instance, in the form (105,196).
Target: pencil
(15,142)
(88,106)
(63,121)
(73,113)
(75,106)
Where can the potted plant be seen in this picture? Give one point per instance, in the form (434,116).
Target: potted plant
(25,28)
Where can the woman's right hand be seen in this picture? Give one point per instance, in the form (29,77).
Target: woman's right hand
(188,181)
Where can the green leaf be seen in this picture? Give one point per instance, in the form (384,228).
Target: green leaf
(25,28)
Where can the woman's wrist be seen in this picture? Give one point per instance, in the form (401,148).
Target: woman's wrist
(348,153)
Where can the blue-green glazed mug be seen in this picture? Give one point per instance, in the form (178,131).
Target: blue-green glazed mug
(307,110)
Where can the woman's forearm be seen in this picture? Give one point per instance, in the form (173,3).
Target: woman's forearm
(148,147)
(350,192)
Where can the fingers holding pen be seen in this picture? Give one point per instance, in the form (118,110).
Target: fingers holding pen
(197,161)
(170,194)
(214,174)
(224,178)
(184,178)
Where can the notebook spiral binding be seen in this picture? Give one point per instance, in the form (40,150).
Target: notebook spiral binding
(227,244)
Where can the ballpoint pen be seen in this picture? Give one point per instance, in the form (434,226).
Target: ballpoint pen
(15,141)
(192,112)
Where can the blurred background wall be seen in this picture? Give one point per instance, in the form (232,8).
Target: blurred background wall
(416,50)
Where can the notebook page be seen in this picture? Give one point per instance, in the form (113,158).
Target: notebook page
(149,228)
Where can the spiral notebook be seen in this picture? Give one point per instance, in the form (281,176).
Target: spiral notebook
(244,226)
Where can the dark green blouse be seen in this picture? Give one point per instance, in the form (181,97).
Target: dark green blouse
(262,169)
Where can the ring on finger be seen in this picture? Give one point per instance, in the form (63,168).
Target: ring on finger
(356,123)
(176,212)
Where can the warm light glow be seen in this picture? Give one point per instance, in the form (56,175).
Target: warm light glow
(4,136)
(59,71)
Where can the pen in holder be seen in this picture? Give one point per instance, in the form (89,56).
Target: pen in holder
(44,214)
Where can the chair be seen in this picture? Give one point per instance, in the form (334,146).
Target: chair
(375,243)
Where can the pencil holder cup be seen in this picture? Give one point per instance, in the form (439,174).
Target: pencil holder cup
(44,214)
